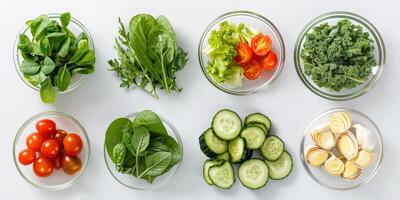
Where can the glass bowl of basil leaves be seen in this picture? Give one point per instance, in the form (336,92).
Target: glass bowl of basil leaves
(229,76)
(58,179)
(143,150)
(339,55)
(54,53)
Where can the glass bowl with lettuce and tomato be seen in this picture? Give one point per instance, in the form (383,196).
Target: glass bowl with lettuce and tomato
(241,52)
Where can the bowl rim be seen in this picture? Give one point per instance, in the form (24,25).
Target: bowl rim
(43,115)
(306,134)
(16,54)
(253,15)
(177,166)
(376,36)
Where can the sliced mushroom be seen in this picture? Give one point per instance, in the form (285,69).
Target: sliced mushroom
(351,171)
(334,166)
(364,159)
(316,156)
(347,145)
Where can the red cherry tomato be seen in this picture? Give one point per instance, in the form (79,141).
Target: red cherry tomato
(50,148)
(27,156)
(244,53)
(43,167)
(34,141)
(252,70)
(72,144)
(71,164)
(46,127)
(59,136)
(57,162)
(261,45)
(269,62)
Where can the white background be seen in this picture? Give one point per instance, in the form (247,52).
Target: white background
(288,103)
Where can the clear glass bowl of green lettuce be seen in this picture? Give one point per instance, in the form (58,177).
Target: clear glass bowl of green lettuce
(339,55)
(230,78)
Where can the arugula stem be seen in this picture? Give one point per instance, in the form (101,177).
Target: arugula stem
(164,75)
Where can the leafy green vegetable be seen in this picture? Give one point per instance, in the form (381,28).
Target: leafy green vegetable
(222,50)
(137,150)
(149,55)
(338,56)
(55,54)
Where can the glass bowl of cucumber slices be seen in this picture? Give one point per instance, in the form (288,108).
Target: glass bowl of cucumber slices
(220,44)
(341,149)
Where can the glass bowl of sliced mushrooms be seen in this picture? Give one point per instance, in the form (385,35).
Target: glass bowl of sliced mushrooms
(341,149)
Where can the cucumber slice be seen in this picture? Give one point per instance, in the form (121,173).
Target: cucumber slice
(281,168)
(273,148)
(254,137)
(222,176)
(253,174)
(225,156)
(226,124)
(209,163)
(238,151)
(211,145)
(262,126)
(258,118)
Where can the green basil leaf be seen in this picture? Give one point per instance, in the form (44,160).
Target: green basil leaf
(88,59)
(157,163)
(83,47)
(63,78)
(64,48)
(23,42)
(65,19)
(48,65)
(140,140)
(119,153)
(83,69)
(81,36)
(56,35)
(151,121)
(29,67)
(35,79)
(127,136)
(114,133)
(47,92)
(38,25)
(45,47)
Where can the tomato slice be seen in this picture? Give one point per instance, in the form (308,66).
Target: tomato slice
(252,70)
(244,53)
(261,45)
(269,62)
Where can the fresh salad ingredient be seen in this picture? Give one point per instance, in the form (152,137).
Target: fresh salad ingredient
(253,173)
(342,148)
(142,147)
(338,56)
(235,144)
(268,62)
(53,54)
(148,55)
(237,50)
(48,151)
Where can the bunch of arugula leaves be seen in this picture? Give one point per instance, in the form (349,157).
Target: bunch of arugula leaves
(338,56)
(53,55)
(149,54)
(142,147)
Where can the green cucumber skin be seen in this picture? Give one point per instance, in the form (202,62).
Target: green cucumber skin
(217,164)
(265,157)
(248,120)
(233,112)
(234,176)
(204,148)
(255,127)
(260,186)
(260,125)
(291,168)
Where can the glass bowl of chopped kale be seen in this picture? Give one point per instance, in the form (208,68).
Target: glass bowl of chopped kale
(220,58)
(339,55)
(54,54)
(143,151)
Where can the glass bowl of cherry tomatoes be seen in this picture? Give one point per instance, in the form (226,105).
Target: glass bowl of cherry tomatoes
(51,150)
(241,52)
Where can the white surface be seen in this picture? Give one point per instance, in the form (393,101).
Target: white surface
(289,104)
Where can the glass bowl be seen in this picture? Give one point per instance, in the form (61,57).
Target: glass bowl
(139,184)
(344,94)
(76,27)
(263,25)
(336,183)
(58,180)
